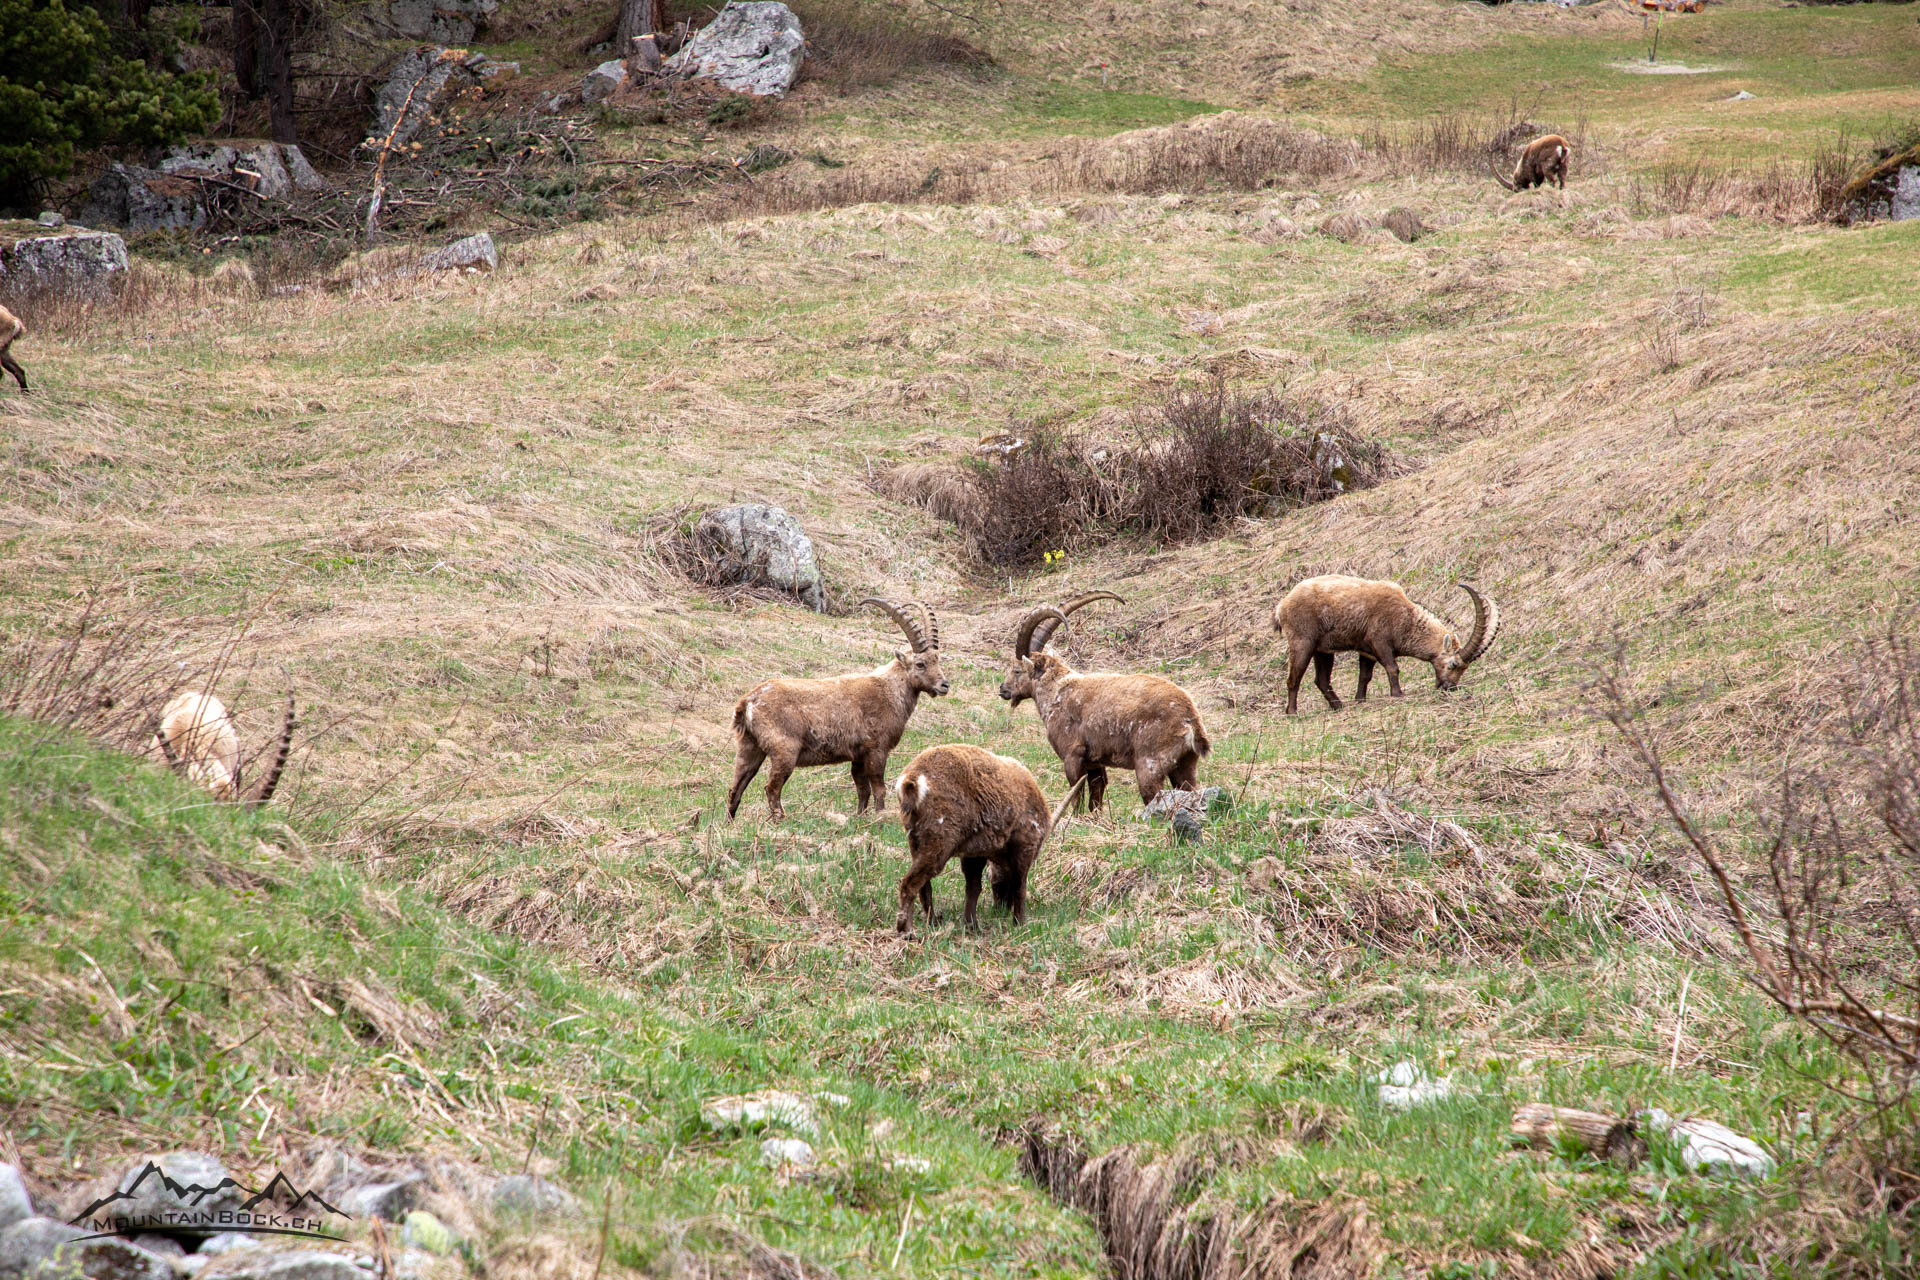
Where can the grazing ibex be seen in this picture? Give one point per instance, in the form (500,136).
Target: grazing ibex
(1324,616)
(846,719)
(985,809)
(196,736)
(1100,721)
(1542,160)
(10,329)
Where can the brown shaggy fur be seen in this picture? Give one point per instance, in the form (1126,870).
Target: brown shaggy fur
(857,719)
(985,809)
(1543,160)
(1324,616)
(10,326)
(1097,722)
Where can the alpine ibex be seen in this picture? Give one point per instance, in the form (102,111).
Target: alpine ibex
(1333,614)
(1541,160)
(11,327)
(197,737)
(1100,721)
(854,719)
(985,809)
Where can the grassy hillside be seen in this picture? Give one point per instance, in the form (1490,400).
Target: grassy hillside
(1673,415)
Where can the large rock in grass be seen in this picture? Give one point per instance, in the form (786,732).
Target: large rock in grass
(179,1193)
(442,21)
(44,1249)
(421,82)
(1890,189)
(15,1204)
(271,170)
(754,543)
(141,199)
(755,47)
(72,263)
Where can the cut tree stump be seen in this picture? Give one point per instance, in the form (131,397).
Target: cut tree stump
(637,18)
(1609,1137)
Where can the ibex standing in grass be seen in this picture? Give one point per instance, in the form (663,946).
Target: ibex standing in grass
(985,809)
(796,724)
(10,329)
(196,736)
(1098,721)
(1324,616)
(1541,161)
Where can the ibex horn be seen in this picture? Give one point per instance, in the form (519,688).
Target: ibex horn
(271,779)
(1023,638)
(906,624)
(1486,624)
(1040,640)
(1493,162)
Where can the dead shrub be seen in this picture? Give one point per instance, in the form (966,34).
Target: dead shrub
(1454,143)
(1829,922)
(853,46)
(1199,460)
(1812,189)
(938,487)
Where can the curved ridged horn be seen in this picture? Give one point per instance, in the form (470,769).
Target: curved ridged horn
(1486,624)
(1023,638)
(1493,161)
(915,636)
(932,623)
(264,792)
(1040,639)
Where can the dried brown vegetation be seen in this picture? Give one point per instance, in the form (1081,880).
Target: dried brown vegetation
(1812,189)
(1201,460)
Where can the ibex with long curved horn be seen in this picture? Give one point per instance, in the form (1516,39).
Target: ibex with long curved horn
(1543,160)
(796,724)
(1100,721)
(197,737)
(1324,616)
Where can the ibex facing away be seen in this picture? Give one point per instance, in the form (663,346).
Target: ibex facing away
(1324,616)
(795,724)
(196,736)
(1097,721)
(1542,160)
(10,329)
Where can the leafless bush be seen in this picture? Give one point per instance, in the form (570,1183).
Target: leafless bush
(852,46)
(1807,190)
(1200,460)
(1455,143)
(1830,926)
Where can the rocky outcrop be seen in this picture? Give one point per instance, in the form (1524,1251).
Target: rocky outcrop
(603,81)
(441,21)
(1890,189)
(756,47)
(422,81)
(754,543)
(271,170)
(192,181)
(75,263)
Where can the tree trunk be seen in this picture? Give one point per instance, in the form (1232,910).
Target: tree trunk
(277,46)
(1605,1136)
(246,47)
(637,18)
(132,14)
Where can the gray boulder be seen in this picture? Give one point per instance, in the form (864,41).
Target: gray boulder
(269,169)
(390,1200)
(752,542)
(755,47)
(420,82)
(1187,811)
(15,1204)
(441,21)
(476,251)
(603,81)
(170,1194)
(297,1264)
(43,1249)
(525,1195)
(127,195)
(83,264)
(225,1242)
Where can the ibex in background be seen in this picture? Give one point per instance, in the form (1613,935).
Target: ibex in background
(1541,160)
(10,329)
(1324,616)
(1098,721)
(846,719)
(195,734)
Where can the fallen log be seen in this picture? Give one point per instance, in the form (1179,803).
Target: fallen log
(1540,1125)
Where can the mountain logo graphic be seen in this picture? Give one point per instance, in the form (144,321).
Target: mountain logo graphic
(279,1208)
